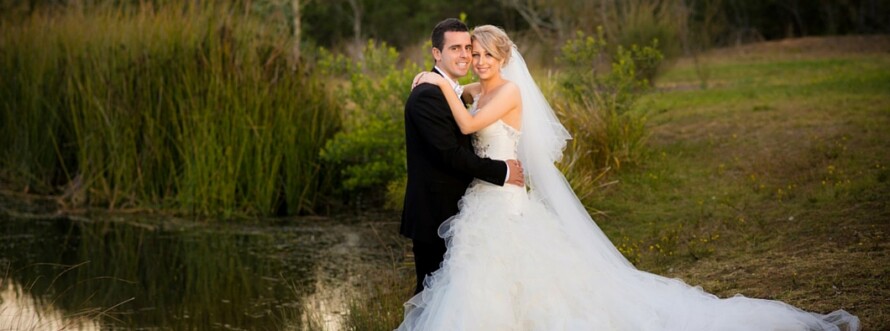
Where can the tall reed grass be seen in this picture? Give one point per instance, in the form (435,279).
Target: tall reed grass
(594,96)
(188,107)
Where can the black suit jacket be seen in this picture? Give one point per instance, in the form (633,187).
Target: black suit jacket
(441,164)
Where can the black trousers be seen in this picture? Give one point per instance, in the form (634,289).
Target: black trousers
(428,257)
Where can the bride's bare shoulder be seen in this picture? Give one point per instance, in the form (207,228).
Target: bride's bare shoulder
(509,90)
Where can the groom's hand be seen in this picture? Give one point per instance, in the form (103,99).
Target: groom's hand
(516,176)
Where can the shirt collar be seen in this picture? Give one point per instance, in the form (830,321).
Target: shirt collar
(454,85)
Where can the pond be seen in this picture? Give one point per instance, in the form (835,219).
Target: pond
(123,273)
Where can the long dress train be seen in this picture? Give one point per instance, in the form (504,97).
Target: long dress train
(511,266)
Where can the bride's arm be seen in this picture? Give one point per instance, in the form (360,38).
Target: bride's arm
(471,90)
(505,101)
(502,103)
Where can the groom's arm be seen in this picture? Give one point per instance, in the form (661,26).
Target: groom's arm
(437,128)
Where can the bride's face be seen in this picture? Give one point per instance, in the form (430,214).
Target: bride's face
(485,65)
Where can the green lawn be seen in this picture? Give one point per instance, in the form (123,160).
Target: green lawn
(772,182)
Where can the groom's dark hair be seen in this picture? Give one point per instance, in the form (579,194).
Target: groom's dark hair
(449,24)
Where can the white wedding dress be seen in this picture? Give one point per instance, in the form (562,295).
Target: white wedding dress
(519,260)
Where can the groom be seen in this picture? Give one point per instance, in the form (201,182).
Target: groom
(441,161)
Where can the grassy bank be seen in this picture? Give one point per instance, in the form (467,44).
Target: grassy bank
(193,108)
(771,183)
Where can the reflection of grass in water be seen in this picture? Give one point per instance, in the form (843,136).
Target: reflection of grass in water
(358,294)
(180,280)
(772,183)
(379,304)
(22,310)
(213,282)
(290,316)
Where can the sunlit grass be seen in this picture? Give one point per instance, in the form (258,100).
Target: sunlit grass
(780,81)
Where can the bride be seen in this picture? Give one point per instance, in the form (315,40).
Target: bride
(533,259)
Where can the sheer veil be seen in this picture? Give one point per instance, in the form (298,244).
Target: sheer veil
(540,147)
(656,302)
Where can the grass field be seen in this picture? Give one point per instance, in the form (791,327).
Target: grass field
(772,182)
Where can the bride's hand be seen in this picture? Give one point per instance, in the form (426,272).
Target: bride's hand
(414,83)
(427,77)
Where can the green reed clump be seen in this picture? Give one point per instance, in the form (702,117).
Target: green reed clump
(594,96)
(192,107)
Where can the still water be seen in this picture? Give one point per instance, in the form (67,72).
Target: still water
(121,273)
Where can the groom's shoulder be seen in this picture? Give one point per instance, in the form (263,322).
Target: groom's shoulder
(426,92)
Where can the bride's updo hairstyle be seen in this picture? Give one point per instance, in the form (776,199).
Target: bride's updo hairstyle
(494,40)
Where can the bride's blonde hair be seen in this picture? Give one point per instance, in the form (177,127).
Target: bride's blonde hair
(494,40)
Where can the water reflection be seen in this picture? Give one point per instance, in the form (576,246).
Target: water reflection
(158,277)
(19,311)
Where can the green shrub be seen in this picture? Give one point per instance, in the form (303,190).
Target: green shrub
(370,149)
(594,95)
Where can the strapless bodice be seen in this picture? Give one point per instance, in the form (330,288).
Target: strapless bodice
(497,141)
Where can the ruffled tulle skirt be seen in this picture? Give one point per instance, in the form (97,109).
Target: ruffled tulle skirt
(510,266)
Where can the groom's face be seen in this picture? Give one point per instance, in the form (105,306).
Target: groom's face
(454,59)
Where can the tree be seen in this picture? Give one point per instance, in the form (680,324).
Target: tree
(296,6)
(356,22)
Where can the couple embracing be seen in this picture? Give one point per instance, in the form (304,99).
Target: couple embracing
(500,240)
